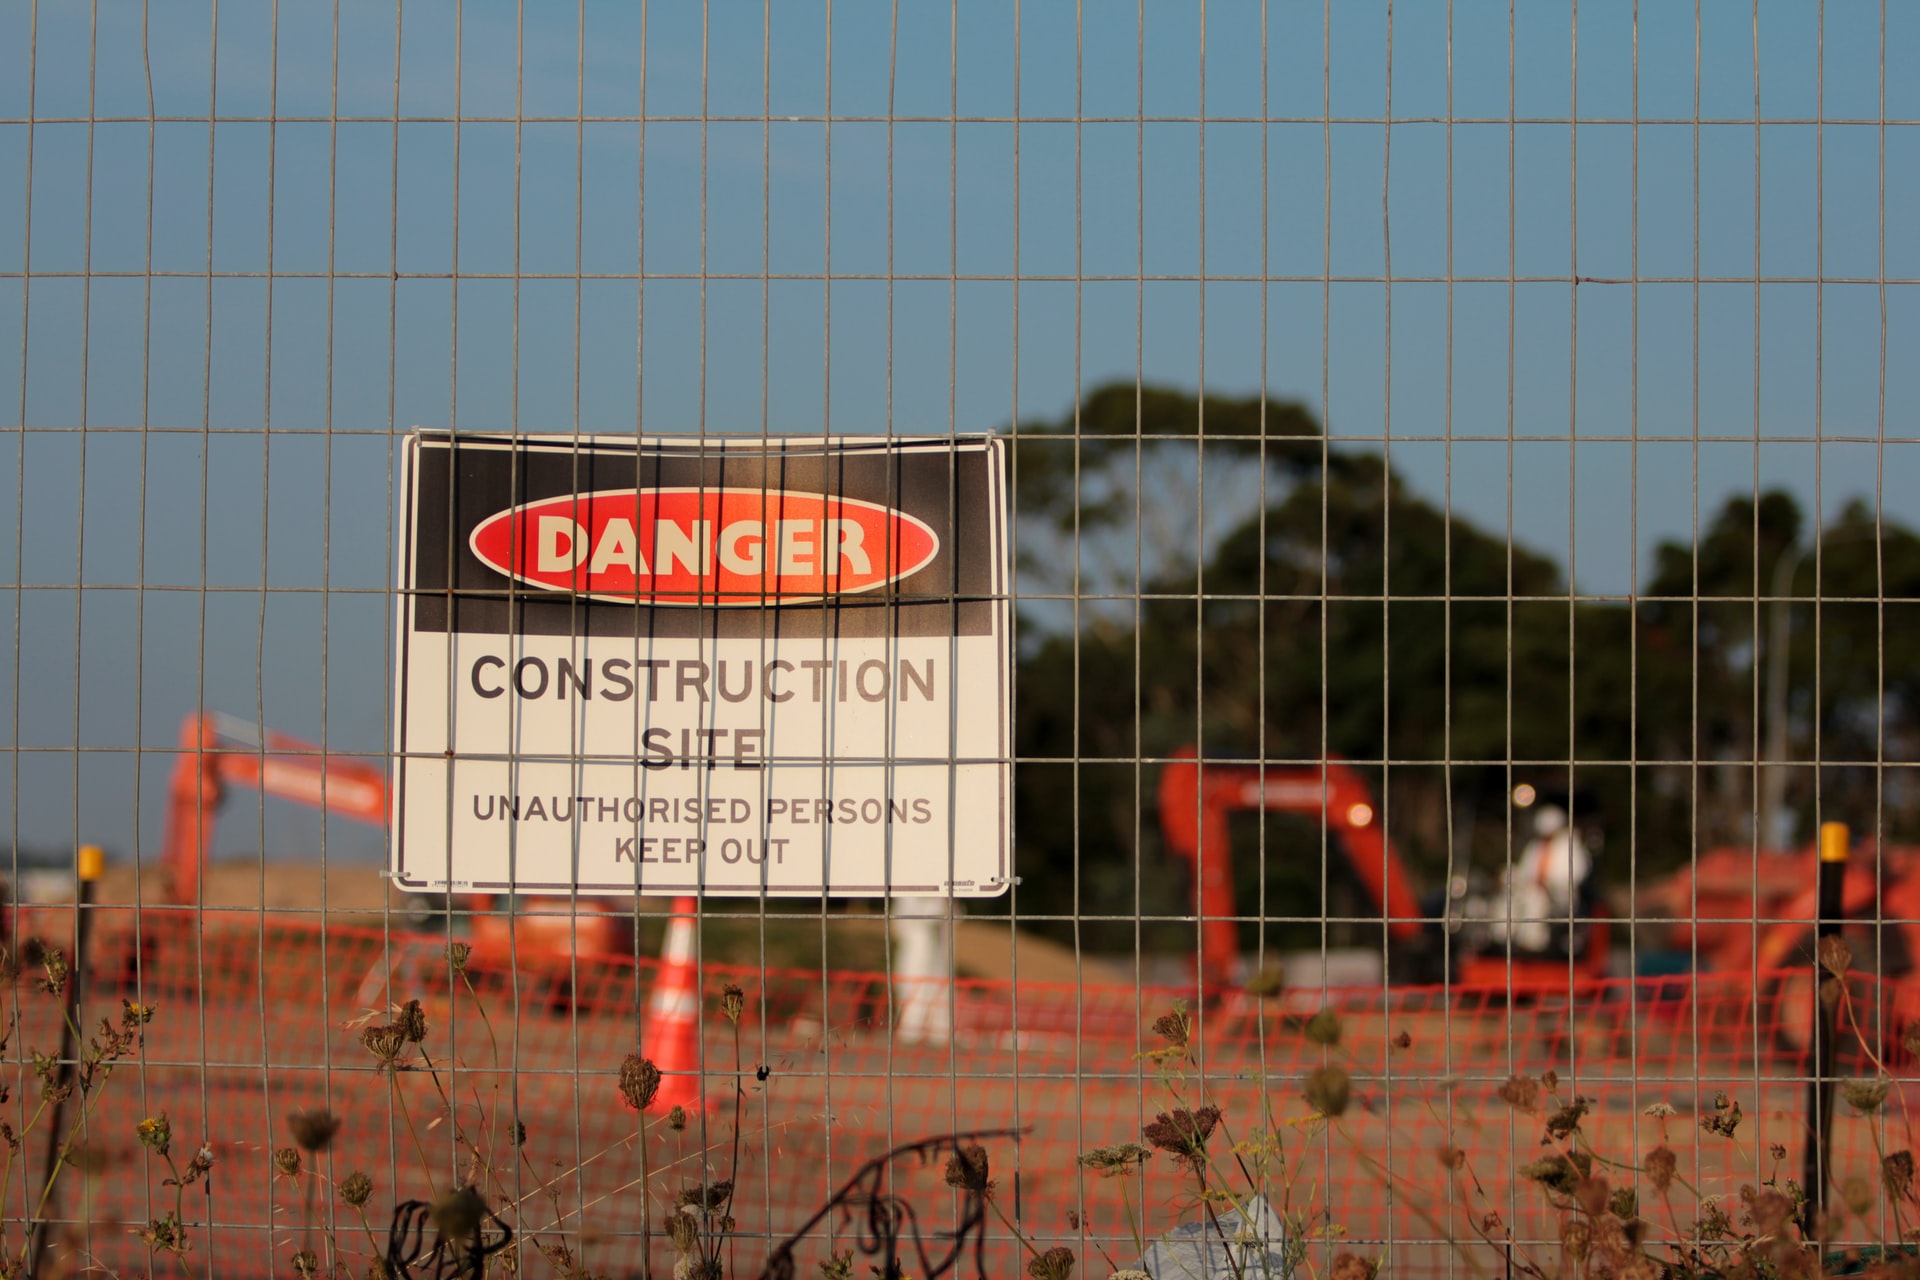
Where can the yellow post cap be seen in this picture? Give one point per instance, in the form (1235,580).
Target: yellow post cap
(92,860)
(1834,840)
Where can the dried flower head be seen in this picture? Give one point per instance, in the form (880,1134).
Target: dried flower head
(1129,1273)
(198,1167)
(1592,1195)
(837,1266)
(1725,1119)
(155,1133)
(1897,1172)
(458,953)
(54,962)
(1770,1209)
(356,1189)
(1565,1121)
(1661,1166)
(519,1133)
(1268,980)
(458,1213)
(305,1264)
(412,1022)
(677,1119)
(1055,1264)
(287,1161)
(1176,1028)
(684,1230)
(1625,1204)
(313,1130)
(706,1196)
(1522,1093)
(1555,1172)
(639,1081)
(1183,1134)
(733,1002)
(1777,1150)
(1658,1110)
(1323,1028)
(1403,1041)
(1115,1161)
(1328,1091)
(1351,1266)
(384,1041)
(164,1233)
(1858,1196)
(1452,1158)
(1576,1237)
(135,1014)
(968,1169)
(1836,957)
(1865,1096)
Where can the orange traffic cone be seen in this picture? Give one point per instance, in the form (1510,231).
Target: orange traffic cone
(671,1034)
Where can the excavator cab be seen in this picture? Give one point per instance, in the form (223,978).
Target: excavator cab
(1427,942)
(1542,919)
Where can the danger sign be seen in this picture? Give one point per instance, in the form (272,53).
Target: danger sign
(662,666)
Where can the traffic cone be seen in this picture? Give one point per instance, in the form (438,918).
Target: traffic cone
(671,1035)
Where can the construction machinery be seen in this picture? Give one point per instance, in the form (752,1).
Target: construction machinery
(1754,911)
(1197,802)
(218,752)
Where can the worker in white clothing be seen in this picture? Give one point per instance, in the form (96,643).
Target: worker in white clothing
(1543,888)
(923,968)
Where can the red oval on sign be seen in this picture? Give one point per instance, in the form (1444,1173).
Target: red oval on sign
(704,546)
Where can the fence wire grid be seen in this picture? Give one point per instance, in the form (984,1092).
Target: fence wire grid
(1461,581)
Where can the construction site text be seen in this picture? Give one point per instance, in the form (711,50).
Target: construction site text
(692,680)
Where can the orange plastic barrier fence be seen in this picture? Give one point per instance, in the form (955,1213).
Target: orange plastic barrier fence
(253,1026)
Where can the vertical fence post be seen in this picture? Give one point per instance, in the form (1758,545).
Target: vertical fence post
(88,863)
(1832,911)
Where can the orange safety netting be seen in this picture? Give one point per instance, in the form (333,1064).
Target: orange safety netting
(252,1026)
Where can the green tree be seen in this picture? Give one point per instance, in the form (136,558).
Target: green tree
(1318,608)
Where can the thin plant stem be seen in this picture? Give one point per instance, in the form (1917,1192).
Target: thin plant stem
(493,1046)
(646,1205)
(399,1095)
(1001,1214)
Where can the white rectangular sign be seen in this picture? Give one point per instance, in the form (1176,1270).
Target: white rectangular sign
(666,666)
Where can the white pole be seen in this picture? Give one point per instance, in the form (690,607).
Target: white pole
(923,968)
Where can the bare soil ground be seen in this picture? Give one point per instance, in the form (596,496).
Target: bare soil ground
(255,1028)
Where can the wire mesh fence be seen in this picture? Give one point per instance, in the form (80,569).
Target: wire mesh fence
(1450,574)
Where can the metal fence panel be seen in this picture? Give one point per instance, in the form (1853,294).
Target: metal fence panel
(1422,421)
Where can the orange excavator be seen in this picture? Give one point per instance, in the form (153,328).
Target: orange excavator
(218,752)
(1755,911)
(1197,802)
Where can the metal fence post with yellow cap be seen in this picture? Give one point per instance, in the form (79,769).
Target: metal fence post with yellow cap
(1834,842)
(89,861)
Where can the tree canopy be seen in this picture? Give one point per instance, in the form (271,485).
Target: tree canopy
(1318,607)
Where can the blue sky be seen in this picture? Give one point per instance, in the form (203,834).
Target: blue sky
(1124,192)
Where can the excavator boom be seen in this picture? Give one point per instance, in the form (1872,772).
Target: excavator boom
(1196,801)
(218,751)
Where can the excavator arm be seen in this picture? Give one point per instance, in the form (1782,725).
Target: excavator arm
(1198,799)
(218,751)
